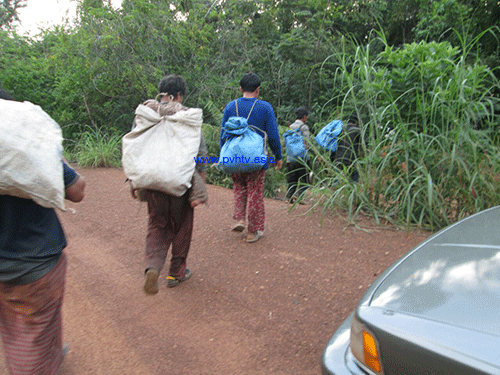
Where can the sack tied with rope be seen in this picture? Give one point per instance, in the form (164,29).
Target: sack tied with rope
(244,150)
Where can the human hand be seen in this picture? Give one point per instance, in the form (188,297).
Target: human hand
(133,192)
(279,164)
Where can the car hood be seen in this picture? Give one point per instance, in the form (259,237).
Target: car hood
(453,278)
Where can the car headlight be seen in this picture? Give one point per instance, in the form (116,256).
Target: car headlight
(365,348)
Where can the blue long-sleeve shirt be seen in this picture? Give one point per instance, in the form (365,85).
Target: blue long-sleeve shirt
(262,117)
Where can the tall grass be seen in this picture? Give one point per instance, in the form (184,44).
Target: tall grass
(95,148)
(430,153)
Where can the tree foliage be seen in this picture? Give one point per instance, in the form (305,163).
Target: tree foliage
(390,61)
(8,12)
(94,72)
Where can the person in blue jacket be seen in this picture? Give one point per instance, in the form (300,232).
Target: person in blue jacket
(248,188)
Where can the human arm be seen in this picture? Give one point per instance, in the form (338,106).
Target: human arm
(74,184)
(304,129)
(273,136)
(306,135)
(201,168)
(271,129)
(75,193)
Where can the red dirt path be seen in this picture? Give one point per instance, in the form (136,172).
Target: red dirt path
(263,308)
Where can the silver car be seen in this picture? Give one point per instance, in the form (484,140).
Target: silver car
(435,311)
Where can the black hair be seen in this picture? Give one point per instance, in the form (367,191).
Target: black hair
(250,82)
(172,85)
(301,112)
(5,95)
(353,118)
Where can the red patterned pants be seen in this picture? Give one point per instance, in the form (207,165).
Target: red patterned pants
(248,188)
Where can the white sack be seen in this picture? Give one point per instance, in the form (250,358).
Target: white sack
(159,153)
(30,154)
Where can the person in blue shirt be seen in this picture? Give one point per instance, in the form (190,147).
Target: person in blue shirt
(32,278)
(248,188)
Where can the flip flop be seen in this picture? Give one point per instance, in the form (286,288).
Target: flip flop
(257,237)
(173,282)
(239,227)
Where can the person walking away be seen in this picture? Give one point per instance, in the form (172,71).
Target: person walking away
(248,188)
(297,174)
(32,279)
(171,217)
(348,148)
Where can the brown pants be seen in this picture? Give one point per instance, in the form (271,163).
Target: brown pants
(31,323)
(170,223)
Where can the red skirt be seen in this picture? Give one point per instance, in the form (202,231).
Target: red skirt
(31,323)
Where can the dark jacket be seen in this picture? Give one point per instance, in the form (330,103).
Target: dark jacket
(348,145)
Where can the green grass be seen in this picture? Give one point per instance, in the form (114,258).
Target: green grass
(94,149)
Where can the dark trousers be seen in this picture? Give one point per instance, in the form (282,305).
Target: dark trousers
(352,170)
(296,175)
(170,223)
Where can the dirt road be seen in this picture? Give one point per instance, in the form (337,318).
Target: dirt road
(263,308)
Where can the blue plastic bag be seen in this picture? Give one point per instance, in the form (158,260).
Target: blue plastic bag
(244,150)
(327,137)
(295,147)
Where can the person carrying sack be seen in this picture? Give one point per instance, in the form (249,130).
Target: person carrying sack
(248,188)
(170,210)
(297,175)
(32,240)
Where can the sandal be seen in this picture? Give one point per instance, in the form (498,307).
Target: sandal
(173,282)
(256,236)
(151,282)
(239,227)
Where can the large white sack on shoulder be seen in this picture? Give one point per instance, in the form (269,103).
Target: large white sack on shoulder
(30,154)
(159,153)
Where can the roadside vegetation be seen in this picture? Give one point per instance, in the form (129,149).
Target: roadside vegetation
(429,114)
(422,76)
(95,148)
